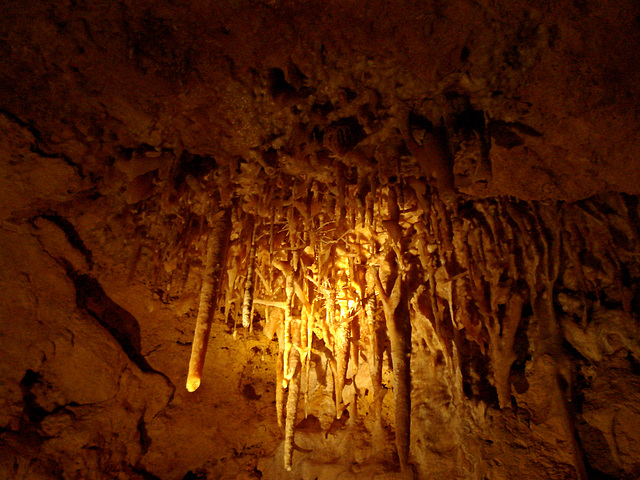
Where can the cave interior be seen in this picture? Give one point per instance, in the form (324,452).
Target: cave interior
(319,240)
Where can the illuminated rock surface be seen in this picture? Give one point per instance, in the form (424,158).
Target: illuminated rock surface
(416,226)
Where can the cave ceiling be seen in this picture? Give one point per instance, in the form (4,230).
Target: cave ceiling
(435,199)
(543,98)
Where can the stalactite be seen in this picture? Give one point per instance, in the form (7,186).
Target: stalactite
(292,408)
(396,311)
(216,242)
(376,330)
(330,307)
(247,303)
(551,333)
(499,277)
(292,396)
(355,342)
(433,157)
(286,363)
(287,271)
(541,271)
(571,243)
(327,251)
(331,341)
(233,262)
(280,389)
(305,333)
(368,213)
(270,262)
(292,225)
(501,339)
(342,333)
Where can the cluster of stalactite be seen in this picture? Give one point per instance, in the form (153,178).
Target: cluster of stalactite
(312,268)
(165,226)
(350,238)
(351,270)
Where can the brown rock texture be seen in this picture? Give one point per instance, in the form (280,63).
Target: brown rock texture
(423,228)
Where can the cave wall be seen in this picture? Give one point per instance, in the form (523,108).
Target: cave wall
(484,154)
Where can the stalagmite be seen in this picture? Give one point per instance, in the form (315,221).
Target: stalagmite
(215,255)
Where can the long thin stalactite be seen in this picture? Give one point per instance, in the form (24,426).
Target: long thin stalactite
(209,293)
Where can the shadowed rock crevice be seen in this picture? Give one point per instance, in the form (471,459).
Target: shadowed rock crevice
(71,234)
(123,327)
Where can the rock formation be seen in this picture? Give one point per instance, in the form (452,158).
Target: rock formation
(393,240)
